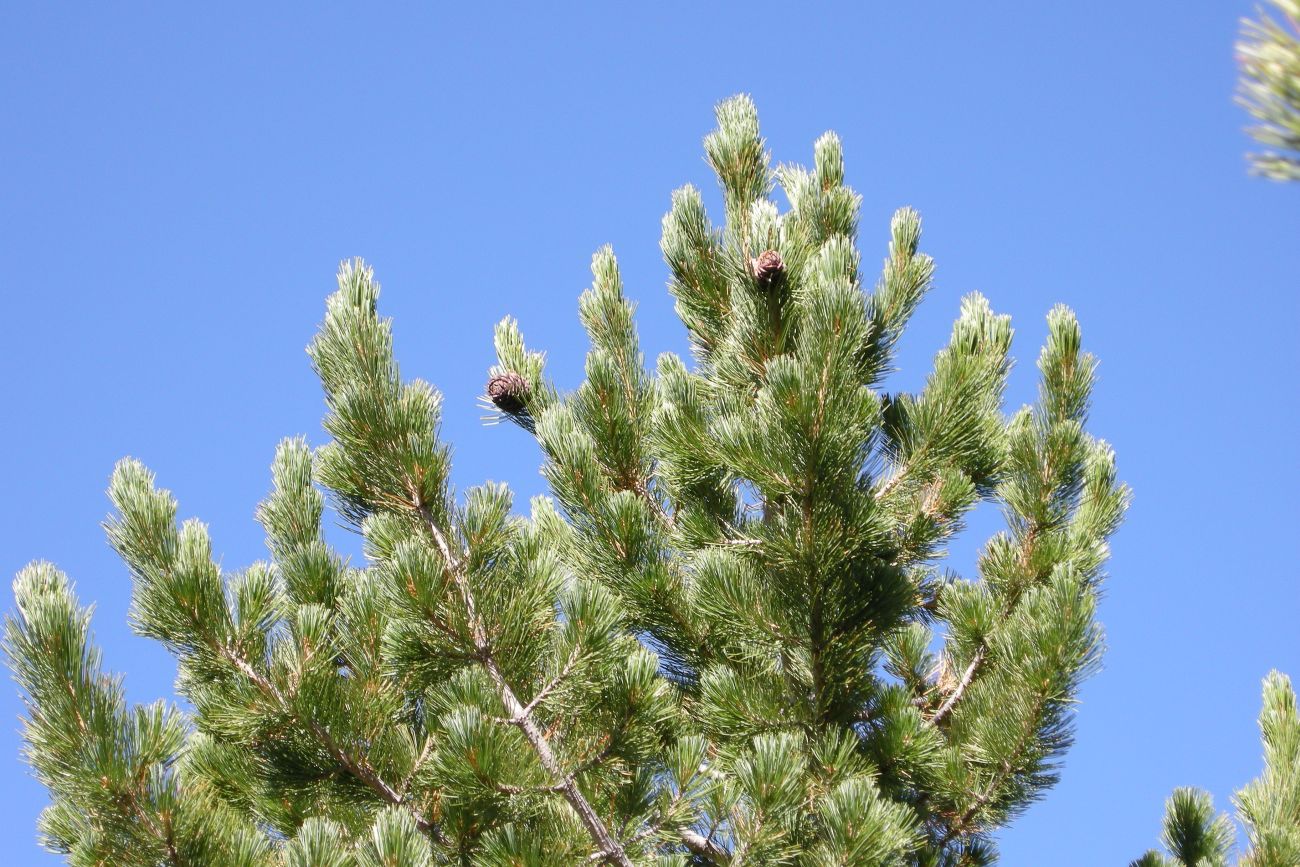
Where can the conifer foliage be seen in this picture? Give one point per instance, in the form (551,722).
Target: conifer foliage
(1269,808)
(726,639)
(1269,54)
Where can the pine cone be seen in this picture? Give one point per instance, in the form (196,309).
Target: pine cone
(507,391)
(768,266)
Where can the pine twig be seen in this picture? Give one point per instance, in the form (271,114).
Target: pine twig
(555,682)
(415,768)
(956,694)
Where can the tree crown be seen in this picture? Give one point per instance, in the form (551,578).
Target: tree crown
(726,638)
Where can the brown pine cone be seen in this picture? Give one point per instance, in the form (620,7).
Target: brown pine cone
(508,391)
(768,266)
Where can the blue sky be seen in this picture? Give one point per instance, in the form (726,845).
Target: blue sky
(180,182)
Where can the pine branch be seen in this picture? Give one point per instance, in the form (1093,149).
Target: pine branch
(958,826)
(163,835)
(522,716)
(78,728)
(357,767)
(141,535)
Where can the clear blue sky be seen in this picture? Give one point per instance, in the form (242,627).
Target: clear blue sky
(180,182)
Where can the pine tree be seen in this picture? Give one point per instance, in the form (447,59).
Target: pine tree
(1268,808)
(727,638)
(1269,53)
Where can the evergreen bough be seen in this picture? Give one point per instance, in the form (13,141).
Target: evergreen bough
(727,638)
(1269,53)
(1268,808)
